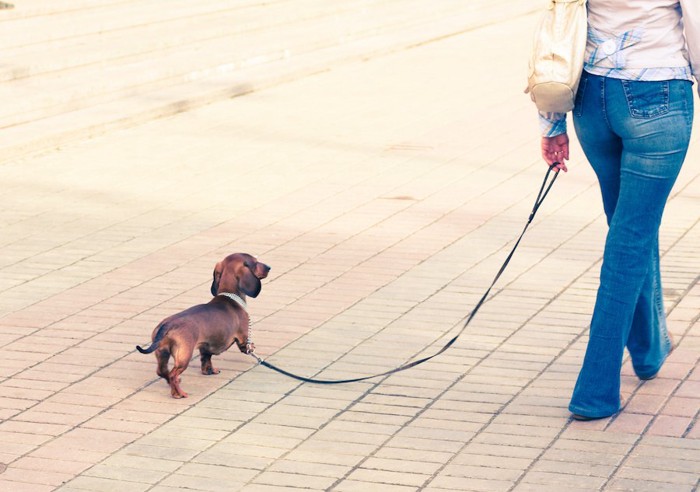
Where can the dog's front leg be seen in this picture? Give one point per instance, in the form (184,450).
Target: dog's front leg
(207,367)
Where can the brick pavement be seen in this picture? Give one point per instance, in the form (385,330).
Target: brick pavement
(385,193)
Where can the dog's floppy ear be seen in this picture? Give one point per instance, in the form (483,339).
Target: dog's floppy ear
(249,284)
(217,279)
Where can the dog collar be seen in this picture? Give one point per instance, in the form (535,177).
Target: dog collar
(238,300)
(235,298)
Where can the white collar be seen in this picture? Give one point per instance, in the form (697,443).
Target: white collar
(236,298)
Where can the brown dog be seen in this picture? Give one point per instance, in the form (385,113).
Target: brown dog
(213,327)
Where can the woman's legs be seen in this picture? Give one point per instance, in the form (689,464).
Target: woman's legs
(635,135)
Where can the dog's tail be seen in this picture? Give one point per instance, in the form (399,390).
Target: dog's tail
(154,345)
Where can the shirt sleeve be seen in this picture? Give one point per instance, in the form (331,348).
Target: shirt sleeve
(553,124)
(691,27)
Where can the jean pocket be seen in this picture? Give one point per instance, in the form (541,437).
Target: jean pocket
(578,102)
(646,99)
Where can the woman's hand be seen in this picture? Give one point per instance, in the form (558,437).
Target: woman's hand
(556,149)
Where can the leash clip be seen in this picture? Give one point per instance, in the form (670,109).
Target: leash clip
(255,356)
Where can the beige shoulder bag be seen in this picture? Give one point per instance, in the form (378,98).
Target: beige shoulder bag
(557,56)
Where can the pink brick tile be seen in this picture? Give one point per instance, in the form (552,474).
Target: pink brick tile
(682,407)
(7,484)
(627,422)
(658,386)
(36,477)
(689,389)
(647,404)
(675,370)
(667,425)
(684,355)
(50,465)
(694,432)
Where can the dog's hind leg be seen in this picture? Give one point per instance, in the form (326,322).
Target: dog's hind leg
(162,356)
(174,381)
(181,359)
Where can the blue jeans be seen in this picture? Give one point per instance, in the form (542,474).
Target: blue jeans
(635,135)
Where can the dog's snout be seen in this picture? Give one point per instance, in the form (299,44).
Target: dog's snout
(261,270)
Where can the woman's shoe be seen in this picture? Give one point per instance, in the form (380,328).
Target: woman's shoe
(586,418)
(673,346)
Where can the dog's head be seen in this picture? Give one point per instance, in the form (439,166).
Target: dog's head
(239,273)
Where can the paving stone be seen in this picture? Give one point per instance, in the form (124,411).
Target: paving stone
(563,480)
(666,425)
(675,477)
(630,423)
(416,455)
(619,484)
(484,460)
(294,480)
(315,469)
(539,487)
(682,407)
(359,486)
(381,477)
(461,483)
(125,474)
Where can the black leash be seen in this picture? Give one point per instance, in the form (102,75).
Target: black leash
(544,190)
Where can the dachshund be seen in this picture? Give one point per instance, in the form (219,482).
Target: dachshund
(213,327)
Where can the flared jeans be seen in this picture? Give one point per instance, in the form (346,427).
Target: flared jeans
(635,135)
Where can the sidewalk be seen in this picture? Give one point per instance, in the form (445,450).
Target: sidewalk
(385,188)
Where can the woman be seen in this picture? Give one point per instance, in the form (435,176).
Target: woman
(633,118)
